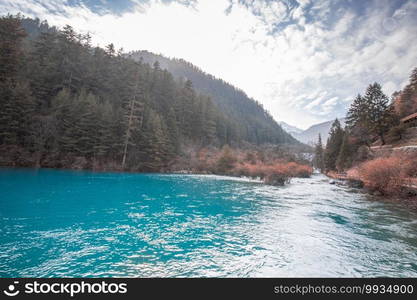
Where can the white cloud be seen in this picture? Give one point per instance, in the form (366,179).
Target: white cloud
(303,72)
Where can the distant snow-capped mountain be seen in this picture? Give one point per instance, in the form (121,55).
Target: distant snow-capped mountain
(310,135)
(290,129)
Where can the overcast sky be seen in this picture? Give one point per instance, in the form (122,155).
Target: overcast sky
(304,60)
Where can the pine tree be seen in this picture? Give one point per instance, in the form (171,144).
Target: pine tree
(70,53)
(133,114)
(333,145)
(344,159)
(87,126)
(413,79)
(173,133)
(15,96)
(43,72)
(16,112)
(371,115)
(358,113)
(153,144)
(105,140)
(11,52)
(186,99)
(209,123)
(110,50)
(381,116)
(405,103)
(319,155)
(43,136)
(67,116)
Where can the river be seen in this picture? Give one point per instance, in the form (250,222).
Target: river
(82,224)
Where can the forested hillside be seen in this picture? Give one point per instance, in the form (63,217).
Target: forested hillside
(65,102)
(248,118)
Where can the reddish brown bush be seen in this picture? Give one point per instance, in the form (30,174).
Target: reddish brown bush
(384,174)
(238,162)
(276,173)
(409,165)
(294,169)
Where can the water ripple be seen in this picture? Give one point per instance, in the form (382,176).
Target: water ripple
(84,224)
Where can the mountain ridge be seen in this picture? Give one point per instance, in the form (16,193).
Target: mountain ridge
(230,99)
(310,135)
(290,128)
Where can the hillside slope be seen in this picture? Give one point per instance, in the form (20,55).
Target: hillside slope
(256,125)
(246,120)
(69,104)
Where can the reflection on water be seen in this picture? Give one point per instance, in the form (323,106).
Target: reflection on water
(67,223)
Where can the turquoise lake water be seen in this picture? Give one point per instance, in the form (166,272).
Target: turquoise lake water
(70,223)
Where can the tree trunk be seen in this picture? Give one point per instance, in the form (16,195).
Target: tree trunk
(38,159)
(130,123)
(382,139)
(128,133)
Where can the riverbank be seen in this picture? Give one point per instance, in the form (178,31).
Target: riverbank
(406,196)
(280,179)
(272,166)
(388,171)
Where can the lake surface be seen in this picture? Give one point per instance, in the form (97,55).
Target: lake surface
(70,223)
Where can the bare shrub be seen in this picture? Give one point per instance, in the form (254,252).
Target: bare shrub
(383,174)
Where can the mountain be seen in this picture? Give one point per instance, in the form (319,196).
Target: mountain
(310,135)
(255,124)
(66,103)
(290,129)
